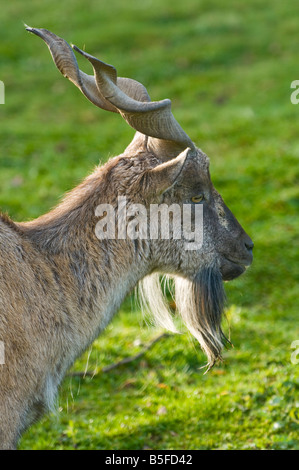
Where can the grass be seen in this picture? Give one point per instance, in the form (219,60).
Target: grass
(227,66)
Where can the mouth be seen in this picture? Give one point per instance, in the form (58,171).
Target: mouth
(231,269)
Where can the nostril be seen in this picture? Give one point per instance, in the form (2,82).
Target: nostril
(249,245)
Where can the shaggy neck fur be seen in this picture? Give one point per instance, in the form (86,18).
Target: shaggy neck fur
(92,276)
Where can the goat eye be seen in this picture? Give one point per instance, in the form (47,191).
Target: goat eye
(197,199)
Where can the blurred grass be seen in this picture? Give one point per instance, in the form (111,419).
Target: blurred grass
(227,68)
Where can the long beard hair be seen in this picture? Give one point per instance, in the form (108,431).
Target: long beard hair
(200,303)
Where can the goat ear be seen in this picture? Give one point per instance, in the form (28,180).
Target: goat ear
(165,175)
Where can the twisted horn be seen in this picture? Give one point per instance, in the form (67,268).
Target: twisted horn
(120,95)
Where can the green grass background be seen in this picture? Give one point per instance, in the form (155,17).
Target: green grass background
(227,66)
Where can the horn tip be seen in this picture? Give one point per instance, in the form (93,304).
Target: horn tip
(33,30)
(28,28)
(78,50)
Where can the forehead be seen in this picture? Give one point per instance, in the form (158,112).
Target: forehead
(196,169)
(202,160)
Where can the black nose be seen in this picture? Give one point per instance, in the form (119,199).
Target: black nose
(249,244)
